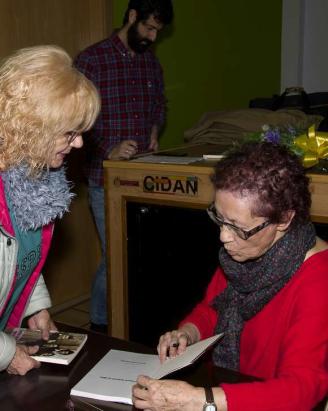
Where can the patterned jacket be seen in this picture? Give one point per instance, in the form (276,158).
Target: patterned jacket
(35,296)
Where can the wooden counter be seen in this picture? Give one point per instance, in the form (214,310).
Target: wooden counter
(164,184)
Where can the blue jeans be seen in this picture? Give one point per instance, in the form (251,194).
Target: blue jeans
(98,305)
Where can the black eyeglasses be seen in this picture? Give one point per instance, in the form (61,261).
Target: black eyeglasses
(244,235)
(71,136)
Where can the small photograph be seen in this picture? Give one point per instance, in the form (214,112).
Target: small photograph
(61,347)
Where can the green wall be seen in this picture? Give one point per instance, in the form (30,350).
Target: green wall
(217,55)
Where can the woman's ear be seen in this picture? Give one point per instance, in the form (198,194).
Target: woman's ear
(287,218)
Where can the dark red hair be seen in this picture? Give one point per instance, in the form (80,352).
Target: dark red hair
(273,174)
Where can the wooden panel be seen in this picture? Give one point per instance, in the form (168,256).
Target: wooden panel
(125,182)
(73,25)
(319,191)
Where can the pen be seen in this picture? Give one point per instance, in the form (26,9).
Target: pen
(142,387)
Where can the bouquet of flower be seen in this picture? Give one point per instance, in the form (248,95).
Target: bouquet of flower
(309,144)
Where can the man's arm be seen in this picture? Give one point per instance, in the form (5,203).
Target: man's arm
(158,113)
(154,144)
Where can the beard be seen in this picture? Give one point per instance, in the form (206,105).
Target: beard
(137,43)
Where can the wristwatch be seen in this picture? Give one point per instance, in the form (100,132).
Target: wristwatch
(209,403)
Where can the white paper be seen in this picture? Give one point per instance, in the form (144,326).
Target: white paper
(166,159)
(114,375)
(192,353)
(213,156)
(112,378)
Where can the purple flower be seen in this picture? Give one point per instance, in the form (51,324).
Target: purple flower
(272,136)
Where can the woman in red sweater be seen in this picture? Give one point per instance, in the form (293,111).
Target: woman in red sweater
(269,295)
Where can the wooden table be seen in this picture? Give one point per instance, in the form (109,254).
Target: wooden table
(48,387)
(165,184)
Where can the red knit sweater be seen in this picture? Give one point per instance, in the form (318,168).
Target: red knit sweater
(285,344)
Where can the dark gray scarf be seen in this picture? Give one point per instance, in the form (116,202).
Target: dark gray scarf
(252,284)
(37,201)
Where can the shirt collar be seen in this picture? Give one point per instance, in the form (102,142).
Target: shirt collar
(118,44)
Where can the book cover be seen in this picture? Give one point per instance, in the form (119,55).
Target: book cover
(112,378)
(61,348)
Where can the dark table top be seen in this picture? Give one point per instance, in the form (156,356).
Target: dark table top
(48,388)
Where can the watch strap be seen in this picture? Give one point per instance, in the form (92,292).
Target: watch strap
(209,395)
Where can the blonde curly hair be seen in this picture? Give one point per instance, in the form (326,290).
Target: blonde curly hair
(41,96)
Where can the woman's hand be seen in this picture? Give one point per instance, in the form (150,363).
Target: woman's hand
(175,342)
(172,344)
(22,362)
(168,395)
(42,321)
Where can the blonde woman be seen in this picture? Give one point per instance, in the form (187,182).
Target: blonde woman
(45,105)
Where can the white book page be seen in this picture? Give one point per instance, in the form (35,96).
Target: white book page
(112,378)
(186,358)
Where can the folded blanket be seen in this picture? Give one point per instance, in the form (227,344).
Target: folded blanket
(225,127)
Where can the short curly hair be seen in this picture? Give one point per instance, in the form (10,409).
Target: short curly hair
(41,96)
(271,173)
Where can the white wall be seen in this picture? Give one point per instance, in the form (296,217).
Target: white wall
(292,43)
(315,57)
(304,58)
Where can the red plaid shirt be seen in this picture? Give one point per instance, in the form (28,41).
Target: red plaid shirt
(132,96)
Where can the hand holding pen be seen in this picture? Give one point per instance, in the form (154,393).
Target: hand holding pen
(173,343)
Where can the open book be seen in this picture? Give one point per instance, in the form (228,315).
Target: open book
(112,378)
(61,348)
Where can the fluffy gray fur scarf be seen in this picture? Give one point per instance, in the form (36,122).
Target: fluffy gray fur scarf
(37,201)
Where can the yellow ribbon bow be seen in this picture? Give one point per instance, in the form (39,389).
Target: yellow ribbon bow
(314,145)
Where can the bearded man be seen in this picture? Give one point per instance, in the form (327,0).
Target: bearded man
(130,81)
